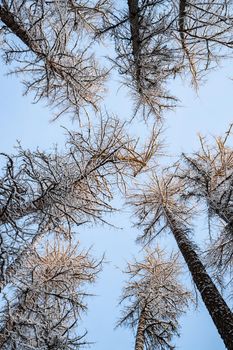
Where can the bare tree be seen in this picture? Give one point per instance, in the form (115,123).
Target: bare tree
(50,41)
(48,299)
(144,58)
(209,177)
(154,300)
(156,40)
(53,42)
(42,193)
(53,193)
(159,207)
(206,33)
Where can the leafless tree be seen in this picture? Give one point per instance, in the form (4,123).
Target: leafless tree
(159,207)
(209,177)
(205,33)
(48,299)
(144,58)
(49,43)
(42,193)
(53,42)
(154,300)
(156,40)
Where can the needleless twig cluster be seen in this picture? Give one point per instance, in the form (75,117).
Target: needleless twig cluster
(154,300)
(48,299)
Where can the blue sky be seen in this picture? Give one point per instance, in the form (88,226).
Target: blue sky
(209,112)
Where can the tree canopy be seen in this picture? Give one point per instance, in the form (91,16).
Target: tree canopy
(57,48)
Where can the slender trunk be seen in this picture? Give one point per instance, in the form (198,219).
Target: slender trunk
(140,339)
(182,16)
(215,304)
(17,28)
(135,37)
(134,25)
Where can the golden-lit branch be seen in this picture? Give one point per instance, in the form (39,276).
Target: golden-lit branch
(160,207)
(42,193)
(48,299)
(52,52)
(209,176)
(154,299)
(156,40)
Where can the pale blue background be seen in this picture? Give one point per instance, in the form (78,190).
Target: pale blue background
(209,112)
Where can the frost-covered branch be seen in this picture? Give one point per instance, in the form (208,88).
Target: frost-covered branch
(156,40)
(209,176)
(154,300)
(48,300)
(50,43)
(42,193)
(159,206)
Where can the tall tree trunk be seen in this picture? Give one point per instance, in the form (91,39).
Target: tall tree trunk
(140,339)
(134,26)
(182,16)
(135,37)
(215,304)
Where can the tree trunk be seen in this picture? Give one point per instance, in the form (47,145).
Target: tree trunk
(140,339)
(134,28)
(215,304)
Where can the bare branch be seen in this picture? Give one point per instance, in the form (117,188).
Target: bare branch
(156,300)
(156,40)
(161,204)
(209,176)
(48,300)
(59,66)
(42,193)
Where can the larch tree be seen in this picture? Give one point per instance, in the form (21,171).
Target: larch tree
(50,44)
(54,46)
(48,299)
(157,40)
(209,177)
(154,299)
(43,193)
(159,207)
(52,194)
